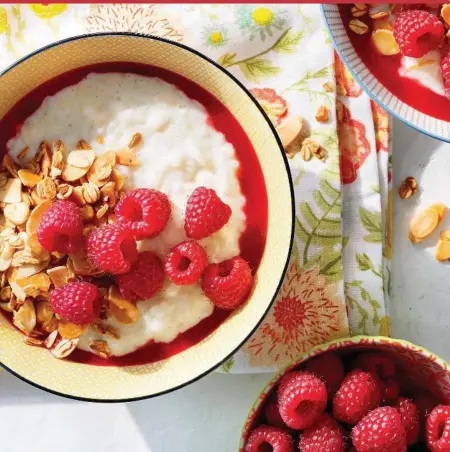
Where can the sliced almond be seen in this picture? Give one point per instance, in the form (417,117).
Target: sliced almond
(443,250)
(17,213)
(81,159)
(136,140)
(101,169)
(36,215)
(124,311)
(33,245)
(51,338)
(11,165)
(11,191)
(322,114)
(358,27)
(71,330)
(91,193)
(441,210)
(28,178)
(378,15)
(102,211)
(127,157)
(72,173)
(44,312)
(445,13)
(106,330)
(100,348)
(64,348)
(24,257)
(108,194)
(6,254)
(290,129)
(79,264)
(60,275)
(77,196)
(423,225)
(118,178)
(83,145)
(100,140)
(25,317)
(33,341)
(88,213)
(46,189)
(40,281)
(359,9)
(64,191)
(385,42)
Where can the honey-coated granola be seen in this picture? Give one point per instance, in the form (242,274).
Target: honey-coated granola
(27,271)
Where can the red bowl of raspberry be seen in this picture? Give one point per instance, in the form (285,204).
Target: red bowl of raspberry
(361,394)
(399,54)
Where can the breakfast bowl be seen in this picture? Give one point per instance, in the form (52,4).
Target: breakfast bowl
(402,374)
(411,88)
(116,119)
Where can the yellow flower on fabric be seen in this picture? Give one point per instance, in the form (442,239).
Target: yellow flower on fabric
(263,16)
(3,21)
(47,11)
(260,21)
(215,35)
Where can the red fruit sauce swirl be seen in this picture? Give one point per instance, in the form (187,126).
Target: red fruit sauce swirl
(253,238)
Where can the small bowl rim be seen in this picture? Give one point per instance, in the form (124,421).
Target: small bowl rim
(322,348)
(291,190)
(370,93)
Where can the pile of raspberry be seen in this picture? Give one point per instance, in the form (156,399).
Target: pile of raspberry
(419,31)
(112,249)
(361,405)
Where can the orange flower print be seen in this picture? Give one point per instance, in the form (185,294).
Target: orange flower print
(382,127)
(306,313)
(273,104)
(346,85)
(353,144)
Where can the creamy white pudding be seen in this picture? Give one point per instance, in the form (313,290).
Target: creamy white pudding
(180,152)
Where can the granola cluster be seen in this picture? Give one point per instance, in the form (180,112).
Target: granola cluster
(27,271)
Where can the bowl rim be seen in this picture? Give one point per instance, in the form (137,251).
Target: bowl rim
(292,199)
(369,92)
(342,343)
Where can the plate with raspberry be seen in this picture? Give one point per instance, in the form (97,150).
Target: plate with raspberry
(400,55)
(147,217)
(360,394)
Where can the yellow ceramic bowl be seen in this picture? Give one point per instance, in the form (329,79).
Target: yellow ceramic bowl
(425,370)
(35,365)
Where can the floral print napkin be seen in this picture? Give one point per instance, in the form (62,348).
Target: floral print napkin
(283,54)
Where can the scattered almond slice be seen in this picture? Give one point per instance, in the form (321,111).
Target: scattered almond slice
(6,254)
(33,245)
(118,178)
(79,265)
(445,14)
(72,173)
(101,349)
(17,213)
(64,348)
(25,317)
(28,178)
(35,218)
(101,169)
(443,247)
(51,338)
(441,210)
(44,312)
(124,311)
(290,129)
(81,159)
(60,275)
(385,42)
(40,280)
(71,330)
(127,157)
(358,27)
(136,141)
(11,192)
(425,222)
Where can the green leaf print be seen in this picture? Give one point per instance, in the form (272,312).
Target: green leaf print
(288,41)
(256,68)
(318,227)
(227,59)
(228,365)
(371,222)
(365,264)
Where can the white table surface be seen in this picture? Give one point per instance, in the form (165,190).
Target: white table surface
(208,415)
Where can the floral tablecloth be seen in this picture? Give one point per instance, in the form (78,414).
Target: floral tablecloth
(338,278)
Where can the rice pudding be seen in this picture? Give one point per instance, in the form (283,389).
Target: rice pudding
(181,150)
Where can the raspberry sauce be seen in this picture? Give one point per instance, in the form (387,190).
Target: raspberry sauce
(386,70)
(253,238)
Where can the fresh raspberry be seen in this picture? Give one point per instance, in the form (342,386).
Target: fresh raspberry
(272,412)
(302,399)
(445,69)
(437,429)
(228,283)
(418,32)
(61,228)
(410,419)
(380,431)
(324,435)
(76,302)
(329,368)
(381,366)
(111,248)
(145,211)
(144,280)
(206,213)
(269,438)
(358,394)
(185,263)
